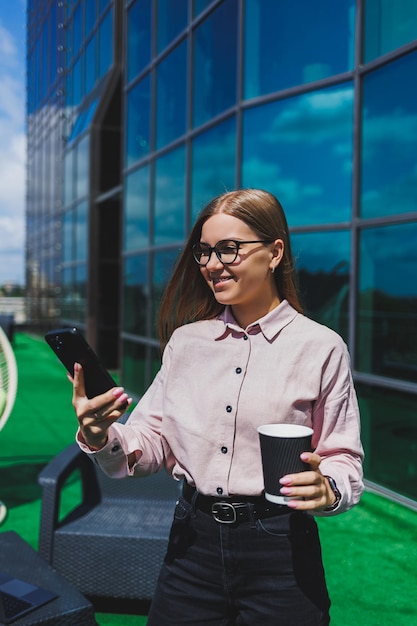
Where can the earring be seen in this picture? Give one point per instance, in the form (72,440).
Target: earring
(272,269)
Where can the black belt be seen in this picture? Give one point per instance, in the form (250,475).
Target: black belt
(229,511)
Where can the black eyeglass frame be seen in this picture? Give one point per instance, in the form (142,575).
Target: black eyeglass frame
(210,250)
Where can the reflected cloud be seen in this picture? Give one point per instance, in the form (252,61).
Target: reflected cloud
(314,118)
(12,160)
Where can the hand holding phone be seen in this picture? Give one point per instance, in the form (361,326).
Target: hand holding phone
(71,347)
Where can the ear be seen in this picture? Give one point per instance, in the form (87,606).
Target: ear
(277,253)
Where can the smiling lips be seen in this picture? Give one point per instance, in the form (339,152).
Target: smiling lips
(221,280)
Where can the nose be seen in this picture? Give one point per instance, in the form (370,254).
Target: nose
(214,261)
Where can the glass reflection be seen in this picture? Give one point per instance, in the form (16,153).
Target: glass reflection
(170,197)
(134,367)
(388,25)
(81,232)
(83,169)
(389,138)
(136,209)
(215,54)
(200,5)
(300,149)
(135,294)
(389,435)
(387,315)
(323,45)
(213,164)
(105,38)
(172,19)
(323,266)
(67,236)
(138,121)
(171,86)
(90,65)
(163,266)
(139,35)
(79,299)
(67,281)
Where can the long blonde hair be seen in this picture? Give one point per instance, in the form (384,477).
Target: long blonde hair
(187,297)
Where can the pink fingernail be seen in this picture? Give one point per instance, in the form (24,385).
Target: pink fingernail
(122,399)
(117,391)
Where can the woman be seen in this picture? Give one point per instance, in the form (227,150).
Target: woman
(238,353)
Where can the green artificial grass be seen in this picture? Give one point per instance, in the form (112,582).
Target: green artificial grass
(369,553)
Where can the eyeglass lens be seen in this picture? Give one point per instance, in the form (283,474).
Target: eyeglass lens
(226,252)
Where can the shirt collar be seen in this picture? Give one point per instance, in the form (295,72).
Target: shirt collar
(270,324)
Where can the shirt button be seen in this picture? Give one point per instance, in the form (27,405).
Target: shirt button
(224,449)
(238,370)
(229,409)
(245,337)
(219,491)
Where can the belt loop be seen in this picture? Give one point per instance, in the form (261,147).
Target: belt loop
(252,515)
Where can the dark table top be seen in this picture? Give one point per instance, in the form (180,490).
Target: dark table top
(70,608)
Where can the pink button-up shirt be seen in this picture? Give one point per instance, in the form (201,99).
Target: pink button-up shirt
(218,383)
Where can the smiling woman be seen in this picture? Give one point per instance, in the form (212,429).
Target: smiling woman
(238,354)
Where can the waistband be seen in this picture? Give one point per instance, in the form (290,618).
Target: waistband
(232,510)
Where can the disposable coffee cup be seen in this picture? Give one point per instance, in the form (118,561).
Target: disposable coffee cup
(281,446)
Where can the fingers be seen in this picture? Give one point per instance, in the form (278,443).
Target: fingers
(308,488)
(107,407)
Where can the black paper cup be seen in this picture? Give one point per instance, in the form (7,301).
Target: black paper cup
(281,446)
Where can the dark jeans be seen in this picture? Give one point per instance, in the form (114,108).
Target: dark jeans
(265,572)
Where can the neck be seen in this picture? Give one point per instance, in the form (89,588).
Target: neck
(245,316)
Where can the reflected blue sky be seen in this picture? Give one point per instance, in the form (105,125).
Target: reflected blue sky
(301,150)
(389,139)
(388,260)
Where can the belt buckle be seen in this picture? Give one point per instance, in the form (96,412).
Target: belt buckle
(224,512)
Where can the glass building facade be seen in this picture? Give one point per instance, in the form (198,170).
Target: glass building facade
(139,112)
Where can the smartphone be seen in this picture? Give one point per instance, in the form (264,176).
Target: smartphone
(71,347)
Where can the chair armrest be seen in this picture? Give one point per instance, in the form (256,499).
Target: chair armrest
(52,479)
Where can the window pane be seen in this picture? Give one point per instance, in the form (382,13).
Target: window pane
(139,37)
(388,25)
(90,16)
(213,164)
(105,37)
(389,434)
(162,270)
(389,139)
(138,121)
(200,5)
(300,149)
(215,70)
(316,41)
(66,292)
(171,97)
(170,197)
(90,65)
(323,266)
(387,316)
(83,169)
(80,293)
(136,210)
(67,236)
(172,19)
(69,177)
(134,360)
(81,232)
(135,294)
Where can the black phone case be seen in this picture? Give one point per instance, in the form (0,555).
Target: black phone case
(71,347)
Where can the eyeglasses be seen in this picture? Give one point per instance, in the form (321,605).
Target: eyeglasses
(226,250)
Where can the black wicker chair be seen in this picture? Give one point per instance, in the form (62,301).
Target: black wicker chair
(112,545)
